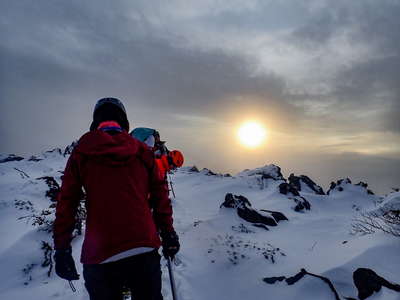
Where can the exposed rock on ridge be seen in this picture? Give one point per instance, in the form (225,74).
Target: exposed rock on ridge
(246,212)
(298,181)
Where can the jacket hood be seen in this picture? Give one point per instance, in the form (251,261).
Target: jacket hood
(110,149)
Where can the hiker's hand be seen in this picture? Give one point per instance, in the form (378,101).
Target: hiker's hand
(170,243)
(65,265)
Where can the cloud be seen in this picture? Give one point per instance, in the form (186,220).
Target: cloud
(366,84)
(72,55)
(316,72)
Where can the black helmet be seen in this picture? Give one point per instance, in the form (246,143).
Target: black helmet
(114,101)
(109,109)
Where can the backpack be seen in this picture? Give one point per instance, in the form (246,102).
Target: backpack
(143,133)
(151,138)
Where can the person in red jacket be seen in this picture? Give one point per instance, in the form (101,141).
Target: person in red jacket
(169,161)
(166,160)
(123,224)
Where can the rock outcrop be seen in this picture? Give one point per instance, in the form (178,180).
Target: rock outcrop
(343,184)
(367,282)
(267,172)
(301,202)
(292,280)
(299,182)
(247,213)
(11,157)
(68,150)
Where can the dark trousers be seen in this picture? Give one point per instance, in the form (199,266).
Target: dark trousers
(140,273)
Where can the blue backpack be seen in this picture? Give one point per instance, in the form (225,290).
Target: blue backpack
(151,137)
(143,133)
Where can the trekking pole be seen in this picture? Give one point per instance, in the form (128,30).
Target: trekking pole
(171,278)
(171,185)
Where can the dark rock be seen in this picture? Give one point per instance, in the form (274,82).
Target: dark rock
(22,173)
(272,280)
(267,172)
(68,150)
(54,187)
(295,181)
(301,202)
(365,186)
(278,216)
(196,223)
(286,189)
(368,282)
(55,150)
(344,181)
(292,280)
(246,212)
(277,176)
(34,158)
(252,216)
(338,186)
(11,157)
(331,187)
(362,184)
(208,172)
(234,201)
(194,169)
(278,173)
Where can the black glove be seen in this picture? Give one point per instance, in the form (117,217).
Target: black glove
(170,243)
(65,265)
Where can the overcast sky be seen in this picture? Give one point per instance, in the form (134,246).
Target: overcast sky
(322,76)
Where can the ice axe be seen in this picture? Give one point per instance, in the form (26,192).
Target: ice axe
(171,278)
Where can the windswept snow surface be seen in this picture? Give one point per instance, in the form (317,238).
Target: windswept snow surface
(222,256)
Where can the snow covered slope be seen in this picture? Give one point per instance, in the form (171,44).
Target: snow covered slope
(227,250)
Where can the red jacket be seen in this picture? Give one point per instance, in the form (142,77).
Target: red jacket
(117,173)
(163,165)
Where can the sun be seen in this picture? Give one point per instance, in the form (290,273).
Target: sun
(252,134)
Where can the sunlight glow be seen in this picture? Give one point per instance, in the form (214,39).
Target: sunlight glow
(252,134)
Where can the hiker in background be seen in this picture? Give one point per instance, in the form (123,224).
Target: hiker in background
(166,160)
(149,136)
(171,161)
(123,223)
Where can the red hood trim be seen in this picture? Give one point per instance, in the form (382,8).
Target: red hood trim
(109,124)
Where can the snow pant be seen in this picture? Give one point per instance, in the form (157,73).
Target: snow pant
(139,273)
